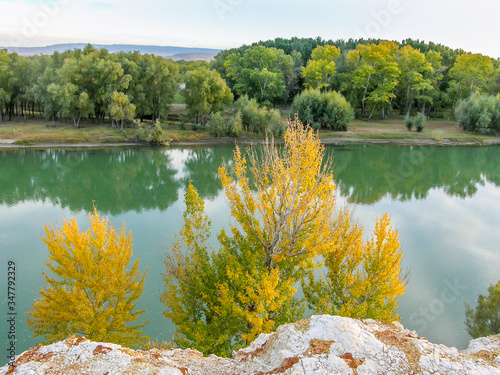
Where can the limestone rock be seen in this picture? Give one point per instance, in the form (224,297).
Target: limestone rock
(318,345)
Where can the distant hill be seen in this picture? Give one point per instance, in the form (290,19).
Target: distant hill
(175,53)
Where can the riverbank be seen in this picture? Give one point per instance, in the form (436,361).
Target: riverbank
(39,134)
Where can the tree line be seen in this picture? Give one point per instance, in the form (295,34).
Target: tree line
(377,77)
(88,83)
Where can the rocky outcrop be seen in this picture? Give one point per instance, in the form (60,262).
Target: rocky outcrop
(318,345)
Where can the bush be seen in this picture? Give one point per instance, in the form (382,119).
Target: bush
(479,113)
(259,120)
(409,122)
(420,121)
(252,117)
(216,125)
(236,125)
(323,110)
(157,136)
(275,124)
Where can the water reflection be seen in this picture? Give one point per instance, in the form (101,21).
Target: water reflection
(140,179)
(369,173)
(117,180)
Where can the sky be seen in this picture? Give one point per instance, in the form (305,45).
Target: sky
(472,26)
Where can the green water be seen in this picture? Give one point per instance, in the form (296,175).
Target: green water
(444,201)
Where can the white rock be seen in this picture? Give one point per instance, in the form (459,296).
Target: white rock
(320,345)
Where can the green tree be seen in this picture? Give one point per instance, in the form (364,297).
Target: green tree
(282,201)
(321,67)
(484,320)
(260,73)
(4,81)
(158,81)
(373,76)
(205,93)
(432,94)
(96,74)
(73,103)
(90,291)
(413,66)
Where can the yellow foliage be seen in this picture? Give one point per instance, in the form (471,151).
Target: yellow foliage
(282,200)
(364,278)
(90,291)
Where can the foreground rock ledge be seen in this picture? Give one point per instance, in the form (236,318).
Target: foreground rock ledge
(318,345)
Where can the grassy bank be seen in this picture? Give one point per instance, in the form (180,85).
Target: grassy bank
(32,132)
(436,130)
(38,131)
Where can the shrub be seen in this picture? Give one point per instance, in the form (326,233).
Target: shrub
(323,110)
(236,125)
(420,121)
(258,119)
(409,122)
(275,124)
(157,136)
(479,113)
(216,125)
(252,117)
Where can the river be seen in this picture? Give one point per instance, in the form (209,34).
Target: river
(445,202)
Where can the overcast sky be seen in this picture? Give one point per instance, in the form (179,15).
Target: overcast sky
(471,25)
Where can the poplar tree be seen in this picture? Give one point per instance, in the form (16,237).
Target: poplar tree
(284,223)
(321,67)
(90,292)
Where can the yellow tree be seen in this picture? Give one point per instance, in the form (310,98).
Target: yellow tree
(282,201)
(320,68)
(90,291)
(363,278)
(470,73)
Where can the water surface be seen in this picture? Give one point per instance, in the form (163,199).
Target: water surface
(445,202)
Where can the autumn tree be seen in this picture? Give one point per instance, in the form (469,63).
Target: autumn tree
(484,320)
(120,108)
(363,278)
(470,73)
(282,201)
(321,67)
(90,291)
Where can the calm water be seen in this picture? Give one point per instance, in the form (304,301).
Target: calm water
(445,202)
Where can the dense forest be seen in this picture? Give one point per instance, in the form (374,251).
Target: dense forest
(377,77)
